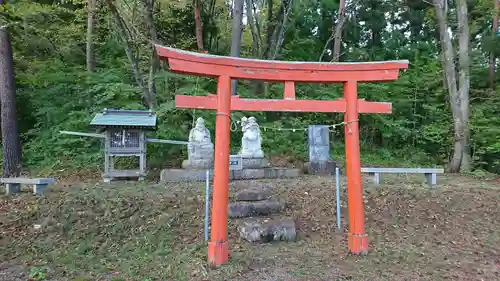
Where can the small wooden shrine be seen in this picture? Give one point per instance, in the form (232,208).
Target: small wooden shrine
(124,133)
(124,136)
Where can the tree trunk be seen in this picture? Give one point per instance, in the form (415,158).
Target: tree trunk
(10,133)
(236,36)
(270,29)
(199,27)
(338,32)
(211,30)
(277,25)
(450,74)
(464,79)
(155,61)
(91,7)
(256,18)
(494,29)
(256,40)
(376,29)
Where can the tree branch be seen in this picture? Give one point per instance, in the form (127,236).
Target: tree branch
(253,28)
(280,32)
(125,35)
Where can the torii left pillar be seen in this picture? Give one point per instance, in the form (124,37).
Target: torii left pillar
(225,69)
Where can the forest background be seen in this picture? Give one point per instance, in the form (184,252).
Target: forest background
(72,59)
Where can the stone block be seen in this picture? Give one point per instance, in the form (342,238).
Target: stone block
(267,231)
(252,194)
(258,208)
(255,163)
(252,184)
(198,164)
(321,167)
(265,173)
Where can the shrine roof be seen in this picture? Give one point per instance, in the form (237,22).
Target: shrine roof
(125,118)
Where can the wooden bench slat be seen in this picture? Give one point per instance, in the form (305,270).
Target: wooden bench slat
(28,180)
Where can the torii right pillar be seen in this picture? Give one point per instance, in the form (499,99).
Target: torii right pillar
(357,239)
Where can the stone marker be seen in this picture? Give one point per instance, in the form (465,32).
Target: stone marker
(252,194)
(200,147)
(266,231)
(319,150)
(258,208)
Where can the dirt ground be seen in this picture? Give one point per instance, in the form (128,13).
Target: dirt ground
(131,231)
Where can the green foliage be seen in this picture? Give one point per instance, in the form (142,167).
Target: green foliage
(56,93)
(38,274)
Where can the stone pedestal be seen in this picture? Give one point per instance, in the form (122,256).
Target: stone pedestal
(180,175)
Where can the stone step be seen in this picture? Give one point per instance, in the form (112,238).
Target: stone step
(257,208)
(254,184)
(252,194)
(268,230)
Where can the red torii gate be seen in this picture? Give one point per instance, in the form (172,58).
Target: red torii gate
(227,68)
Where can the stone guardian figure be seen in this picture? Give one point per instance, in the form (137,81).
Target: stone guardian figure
(200,147)
(251,141)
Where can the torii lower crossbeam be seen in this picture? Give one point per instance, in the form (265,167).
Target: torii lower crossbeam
(225,69)
(239,104)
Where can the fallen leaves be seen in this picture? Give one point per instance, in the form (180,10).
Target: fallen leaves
(414,233)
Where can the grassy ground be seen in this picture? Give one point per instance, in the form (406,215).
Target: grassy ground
(155,232)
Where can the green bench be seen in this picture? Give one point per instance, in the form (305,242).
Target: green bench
(13,185)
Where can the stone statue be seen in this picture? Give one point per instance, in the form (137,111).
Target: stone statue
(200,146)
(251,141)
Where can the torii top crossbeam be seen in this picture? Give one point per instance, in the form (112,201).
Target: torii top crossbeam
(267,70)
(227,68)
